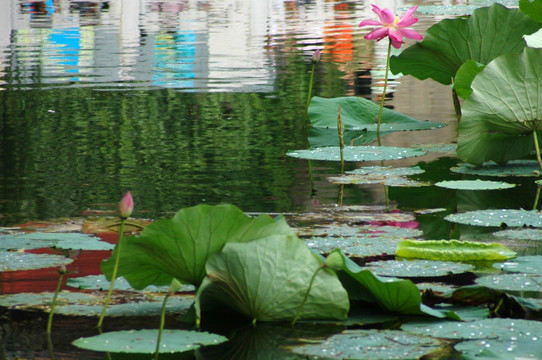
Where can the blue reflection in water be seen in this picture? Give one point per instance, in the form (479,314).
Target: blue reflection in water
(174,59)
(68,42)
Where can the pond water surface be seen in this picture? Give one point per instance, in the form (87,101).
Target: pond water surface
(192,101)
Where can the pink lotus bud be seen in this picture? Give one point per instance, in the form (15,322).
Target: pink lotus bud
(126,206)
(316,56)
(62,269)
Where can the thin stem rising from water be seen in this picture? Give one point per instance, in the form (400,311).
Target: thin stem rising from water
(383,95)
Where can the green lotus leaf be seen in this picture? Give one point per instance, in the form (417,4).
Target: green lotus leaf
(14,261)
(179,247)
(99,282)
(524,264)
(38,240)
(438,148)
(498,217)
(393,295)
(267,279)
(358,118)
(496,349)
(144,341)
(379,175)
(532,8)
(356,153)
(520,234)
(498,125)
(360,246)
(447,45)
(455,10)
(474,185)
(453,250)
(512,282)
(371,344)
(464,76)
(522,168)
(345,231)
(417,268)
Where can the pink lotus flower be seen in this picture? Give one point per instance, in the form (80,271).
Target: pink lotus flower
(126,206)
(392,26)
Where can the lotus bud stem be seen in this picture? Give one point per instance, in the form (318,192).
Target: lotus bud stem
(61,271)
(307,294)
(341,138)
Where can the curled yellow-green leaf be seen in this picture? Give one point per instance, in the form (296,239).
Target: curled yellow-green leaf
(453,250)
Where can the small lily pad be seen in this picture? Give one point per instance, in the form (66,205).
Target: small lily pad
(371,344)
(511,168)
(454,10)
(512,282)
(520,234)
(144,341)
(355,246)
(356,153)
(346,231)
(99,282)
(453,250)
(498,217)
(474,185)
(524,264)
(14,261)
(38,240)
(386,175)
(523,348)
(417,268)
(83,304)
(503,329)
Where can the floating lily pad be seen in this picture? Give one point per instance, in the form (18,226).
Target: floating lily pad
(356,153)
(345,231)
(474,185)
(521,349)
(14,261)
(524,264)
(144,341)
(38,240)
(455,10)
(502,329)
(355,246)
(435,287)
(371,344)
(380,175)
(355,214)
(520,234)
(512,282)
(453,250)
(83,304)
(511,168)
(417,268)
(498,217)
(99,282)
(439,148)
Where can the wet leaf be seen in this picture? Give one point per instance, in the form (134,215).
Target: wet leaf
(179,247)
(363,231)
(356,153)
(371,344)
(355,246)
(520,234)
(523,348)
(512,282)
(455,9)
(144,341)
(96,225)
(511,168)
(99,282)
(36,240)
(453,250)
(380,175)
(239,278)
(439,148)
(524,264)
(474,185)
(14,261)
(417,268)
(498,217)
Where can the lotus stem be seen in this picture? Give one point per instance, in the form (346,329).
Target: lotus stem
(162,323)
(383,95)
(309,95)
(306,294)
(537,197)
(537,147)
(341,138)
(457,104)
(61,271)
(114,275)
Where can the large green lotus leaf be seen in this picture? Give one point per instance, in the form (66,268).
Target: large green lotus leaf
(371,344)
(498,217)
(356,153)
(453,250)
(144,341)
(84,304)
(386,175)
(474,185)
(520,234)
(358,116)
(395,296)
(38,240)
(14,261)
(417,268)
(487,34)
(267,279)
(504,109)
(525,264)
(464,76)
(523,168)
(179,247)
(496,349)
(532,8)
(512,282)
(355,246)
